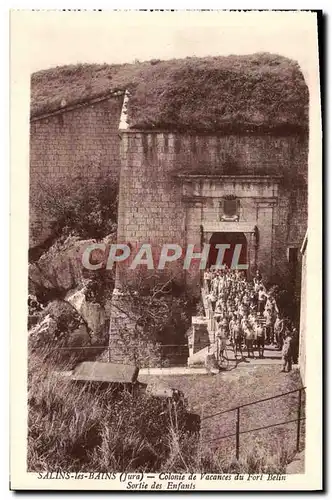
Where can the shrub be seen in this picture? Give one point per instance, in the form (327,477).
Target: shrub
(61,334)
(74,428)
(80,209)
(153,321)
(100,286)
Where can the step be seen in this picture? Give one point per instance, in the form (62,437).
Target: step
(200,356)
(174,370)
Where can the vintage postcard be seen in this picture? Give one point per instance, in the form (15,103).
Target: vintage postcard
(166,250)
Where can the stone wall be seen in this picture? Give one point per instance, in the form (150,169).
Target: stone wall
(153,206)
(303,315)
(150,202)
(82,141)
(257,198)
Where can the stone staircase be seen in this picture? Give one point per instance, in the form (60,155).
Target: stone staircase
(202,341)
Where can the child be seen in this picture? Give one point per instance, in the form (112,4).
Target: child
(287,353)
(261,299)
(269,326)
(213,299)
(208,278)
(237,338)
(260,340)
(221,341)
(249,336)
(278,330)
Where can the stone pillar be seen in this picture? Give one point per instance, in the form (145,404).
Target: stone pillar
(265,226)
(251,254)
(194,237)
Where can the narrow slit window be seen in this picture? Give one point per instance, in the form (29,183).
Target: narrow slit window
(292,255)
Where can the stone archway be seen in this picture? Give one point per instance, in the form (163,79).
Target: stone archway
(232,239)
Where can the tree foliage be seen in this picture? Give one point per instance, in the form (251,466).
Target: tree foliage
(87,210)
(155,319)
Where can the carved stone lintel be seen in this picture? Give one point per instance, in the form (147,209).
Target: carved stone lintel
(191,201)
(265,202)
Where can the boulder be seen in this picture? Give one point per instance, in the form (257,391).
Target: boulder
(60,268)
(93,314)
(43,333)
(34,310)
(60,327)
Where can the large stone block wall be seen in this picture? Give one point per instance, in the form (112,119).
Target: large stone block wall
(232,154)
(303,315)
(83,141)
(150,201)
(152,208)
(156,206)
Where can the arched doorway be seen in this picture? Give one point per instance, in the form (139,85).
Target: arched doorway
(231,239)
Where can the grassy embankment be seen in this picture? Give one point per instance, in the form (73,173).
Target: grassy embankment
(75,429)
(248,92)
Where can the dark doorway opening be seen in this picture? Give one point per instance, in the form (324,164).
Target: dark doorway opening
(231,239)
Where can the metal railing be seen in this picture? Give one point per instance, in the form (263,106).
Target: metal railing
(238,432)
(170,352)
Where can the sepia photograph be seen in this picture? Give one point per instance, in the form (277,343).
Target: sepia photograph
(170,199)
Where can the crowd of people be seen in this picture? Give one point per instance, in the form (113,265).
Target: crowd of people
(247,316)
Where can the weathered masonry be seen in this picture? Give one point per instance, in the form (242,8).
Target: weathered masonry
(303,316)
(78,140)
(207,150)
(195,188)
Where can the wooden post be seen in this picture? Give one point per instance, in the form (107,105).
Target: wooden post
(298,421)
(237,433)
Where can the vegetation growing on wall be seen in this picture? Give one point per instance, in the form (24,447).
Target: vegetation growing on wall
(248,92)
(158,317)
(87,210)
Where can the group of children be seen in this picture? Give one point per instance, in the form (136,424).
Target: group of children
(247,315)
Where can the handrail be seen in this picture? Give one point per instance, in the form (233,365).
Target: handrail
(253,402)
(237,432)
(107,346)
(253,430)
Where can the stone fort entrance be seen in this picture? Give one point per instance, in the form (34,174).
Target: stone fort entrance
(232,239)
(253,222)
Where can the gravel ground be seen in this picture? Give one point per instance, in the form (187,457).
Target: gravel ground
(210,394)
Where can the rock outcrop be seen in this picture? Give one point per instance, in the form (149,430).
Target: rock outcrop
(73,302)
(95,315)
(60,332)
(59,269)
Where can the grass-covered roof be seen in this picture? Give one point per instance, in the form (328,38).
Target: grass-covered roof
(258,91)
